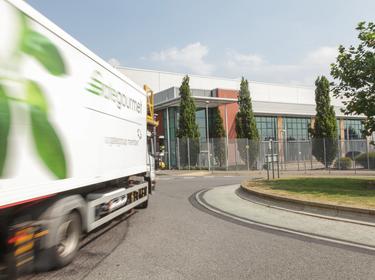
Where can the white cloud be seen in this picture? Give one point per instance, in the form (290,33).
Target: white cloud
(252,60)
(254,67)
(114,62)
(191,58)
(322,56)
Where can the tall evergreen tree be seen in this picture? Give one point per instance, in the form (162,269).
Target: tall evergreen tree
(324,132)
(187,126)
(246,125)
(217,134)
(217,130)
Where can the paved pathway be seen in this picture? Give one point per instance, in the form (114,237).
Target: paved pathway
(225,201)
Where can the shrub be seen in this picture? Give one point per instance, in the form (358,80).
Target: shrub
(343,163)
(362,160)
(352,154)
(265,166)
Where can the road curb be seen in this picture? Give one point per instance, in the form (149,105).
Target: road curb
(198,197)
(339,209)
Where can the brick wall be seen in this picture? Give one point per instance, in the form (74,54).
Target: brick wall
(231,110)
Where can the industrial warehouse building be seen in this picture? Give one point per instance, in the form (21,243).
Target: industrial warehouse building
(283,113)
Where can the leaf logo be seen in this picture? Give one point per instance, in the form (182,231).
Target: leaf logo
(46,140)
(95,86)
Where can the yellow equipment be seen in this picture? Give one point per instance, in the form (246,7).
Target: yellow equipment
(150,106)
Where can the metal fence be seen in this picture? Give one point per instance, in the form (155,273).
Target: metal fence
(245,154)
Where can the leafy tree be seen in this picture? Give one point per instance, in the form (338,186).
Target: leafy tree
(187,126)
(324,133)
(246,125)
(217,133)
(354,71)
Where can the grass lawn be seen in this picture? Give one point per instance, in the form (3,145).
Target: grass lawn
(353,192)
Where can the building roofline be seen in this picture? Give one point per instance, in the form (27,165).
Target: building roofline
(179,73)
(216,77)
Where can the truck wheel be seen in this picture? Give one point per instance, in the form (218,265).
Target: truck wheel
(68,237)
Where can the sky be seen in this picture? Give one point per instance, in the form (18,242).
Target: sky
(288,41)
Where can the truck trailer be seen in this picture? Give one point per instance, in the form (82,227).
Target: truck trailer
(74,150)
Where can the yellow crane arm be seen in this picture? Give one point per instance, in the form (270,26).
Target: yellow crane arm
(150,106)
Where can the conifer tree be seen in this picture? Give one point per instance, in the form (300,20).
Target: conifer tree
(217,134)
(324,132)
(188,131)
(187,126)
(246,126)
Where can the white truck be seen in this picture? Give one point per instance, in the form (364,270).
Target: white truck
(73,142)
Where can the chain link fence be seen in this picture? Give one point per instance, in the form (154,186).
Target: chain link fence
(245,154)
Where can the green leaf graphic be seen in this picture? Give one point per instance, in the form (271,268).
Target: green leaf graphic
(4,127)
(35,96)
(44,51)
(47,143)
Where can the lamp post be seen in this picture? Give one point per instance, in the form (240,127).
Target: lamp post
(208,138)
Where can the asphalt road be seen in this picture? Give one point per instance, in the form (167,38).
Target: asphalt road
(173,239)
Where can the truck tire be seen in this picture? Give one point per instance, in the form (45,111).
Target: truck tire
(69,237)
(68,234)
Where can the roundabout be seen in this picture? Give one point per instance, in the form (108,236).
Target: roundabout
(224,202)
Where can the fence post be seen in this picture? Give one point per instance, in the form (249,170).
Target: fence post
(260,156)
(188,151)
(213,155)
(178,154)
(235,152)
(299,153)
(227,152)
(278,165)
(286,153)
(325,155)
(311,155)
(272,159)
(247,154)
(368,156)
(208,154)
(339,154)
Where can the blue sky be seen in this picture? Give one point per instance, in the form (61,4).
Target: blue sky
(289,41)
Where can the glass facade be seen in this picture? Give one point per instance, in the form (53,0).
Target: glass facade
(296,128)
(173,117)
(200,117)
(174,114)
(353,129)
(267,127)
(293,128)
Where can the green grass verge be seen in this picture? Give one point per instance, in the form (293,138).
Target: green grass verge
(354,192)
